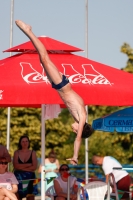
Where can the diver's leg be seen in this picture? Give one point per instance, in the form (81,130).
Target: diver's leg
(50,69)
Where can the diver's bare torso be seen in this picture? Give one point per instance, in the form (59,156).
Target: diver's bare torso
(73,102)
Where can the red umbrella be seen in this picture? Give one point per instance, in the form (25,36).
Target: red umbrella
(24,83)
(50,44)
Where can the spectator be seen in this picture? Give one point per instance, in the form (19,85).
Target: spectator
(25,164)
(8,182)
(4,153)
(122,178)
(51,168)
(60,184)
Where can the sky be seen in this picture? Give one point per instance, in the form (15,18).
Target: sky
(110,25)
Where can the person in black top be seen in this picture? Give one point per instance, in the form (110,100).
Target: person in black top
(25,164)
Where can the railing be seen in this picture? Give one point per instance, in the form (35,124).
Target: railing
(95,171)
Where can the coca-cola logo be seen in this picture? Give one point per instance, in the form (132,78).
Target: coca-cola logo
(89,76)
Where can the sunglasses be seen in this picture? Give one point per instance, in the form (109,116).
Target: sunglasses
(64,169)
(3,163)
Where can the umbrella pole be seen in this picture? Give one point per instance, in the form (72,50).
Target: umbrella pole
(86,154)
(43,152)
(11,24)
(11,41)
(68,188)
(86,28)
(8,129)
(86,55)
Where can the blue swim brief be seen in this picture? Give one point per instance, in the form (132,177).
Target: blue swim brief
(64,82)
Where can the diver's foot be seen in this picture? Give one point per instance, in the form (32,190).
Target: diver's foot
(24,27)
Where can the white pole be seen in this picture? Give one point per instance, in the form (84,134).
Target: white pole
(8,129)
(43,152)
(86,55)
(11,42)
(68,188)
(86,155)
(11,24)
(86,29)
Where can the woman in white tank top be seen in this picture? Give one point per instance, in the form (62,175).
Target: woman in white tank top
(60,184)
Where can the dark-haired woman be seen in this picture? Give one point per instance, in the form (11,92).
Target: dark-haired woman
(25,164)
(60,184)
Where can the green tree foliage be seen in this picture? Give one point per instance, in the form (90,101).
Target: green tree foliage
(23,121)
(126,49)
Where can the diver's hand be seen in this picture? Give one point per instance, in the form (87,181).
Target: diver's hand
(73,161)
